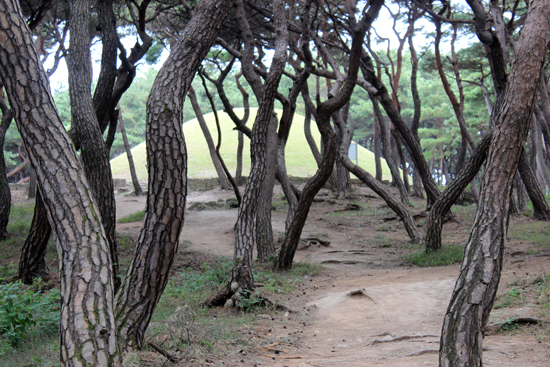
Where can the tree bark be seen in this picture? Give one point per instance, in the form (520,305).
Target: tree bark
(167,166)
(540,205)
(137,187)
(475,289)
(32,263)
(94,156)
(377,148)
(264,229)
(87,326)
(5,193)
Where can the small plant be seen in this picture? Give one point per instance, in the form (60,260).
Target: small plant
(135,217)
(512,297)
(446,255)
(23,311)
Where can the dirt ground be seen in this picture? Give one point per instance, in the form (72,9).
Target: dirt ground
(330,326)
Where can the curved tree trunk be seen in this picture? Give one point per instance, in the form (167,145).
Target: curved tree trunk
(167,165)
(87,326)
(540,205)
(32,186)
(475,289)
(32,264)
(137,187)
(224,182)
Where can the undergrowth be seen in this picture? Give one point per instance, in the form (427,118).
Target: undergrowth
(446,255)
(134,217)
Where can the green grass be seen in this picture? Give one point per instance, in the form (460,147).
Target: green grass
(135,217)
(535,232)
(447,255)
(512,297)
(299,159)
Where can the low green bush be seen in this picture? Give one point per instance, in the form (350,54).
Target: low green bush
(446,255)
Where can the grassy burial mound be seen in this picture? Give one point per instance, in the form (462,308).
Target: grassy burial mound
(299,159)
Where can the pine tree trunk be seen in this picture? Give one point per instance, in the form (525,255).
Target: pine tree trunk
(5,193)
(239,169)
(377,148)
(137,187)
(87,326)
(224,182)
(540,205)
(475,289)
(32,186)
(264,229)
(167,166)
(32,263)
(94,155)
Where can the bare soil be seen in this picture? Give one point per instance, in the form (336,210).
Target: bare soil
(367,296)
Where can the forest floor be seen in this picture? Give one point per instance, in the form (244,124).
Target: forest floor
(367,305)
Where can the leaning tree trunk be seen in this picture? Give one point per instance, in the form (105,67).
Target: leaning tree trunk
(264,229)
(323,115)
(167,166)
(137,187)
(94,155)
(475,289)
(5,193)
(87,326)
(32,263)
(453,191)
(540,205)
(224,182)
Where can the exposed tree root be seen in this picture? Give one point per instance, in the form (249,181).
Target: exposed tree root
(361,292)
(400,338)
(169,356)
(492,328)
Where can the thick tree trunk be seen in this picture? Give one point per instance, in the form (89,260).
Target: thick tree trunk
(264,229)
(32,186)
(167,166)
(5,193)
(540,205)
(475,289)
(32,263)
(224,182)
(87,326)
(94,156)
(137,187)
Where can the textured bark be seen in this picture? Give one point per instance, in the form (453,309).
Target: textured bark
(377,148)
(264,229)
(94,156)
(137,187)
(323,115)
(32,186)
(87,327)
(32,263)
(540,205)
(475,289)
(224,183)
(520,193)
(307,127)
(5,193)
(167,167)
(446,200)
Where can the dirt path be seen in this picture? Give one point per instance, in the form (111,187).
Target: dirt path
(335,328)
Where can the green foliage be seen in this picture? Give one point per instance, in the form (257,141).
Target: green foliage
(446,255)
(535,232)
(135,217)
(512,297)
(24,312)
(20,219)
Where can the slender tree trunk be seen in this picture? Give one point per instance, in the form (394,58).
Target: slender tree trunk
(32,263)
(5,193)
(540,205)
(520,193)
(137,187)
(167,165)
(377,148)
(264,229)
(239,169)
(475,289)
(224,182)
(87,326)
(307,130)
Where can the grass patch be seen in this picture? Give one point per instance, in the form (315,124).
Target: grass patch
(535,232)
(447,255)
(135,217)
(512,297)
